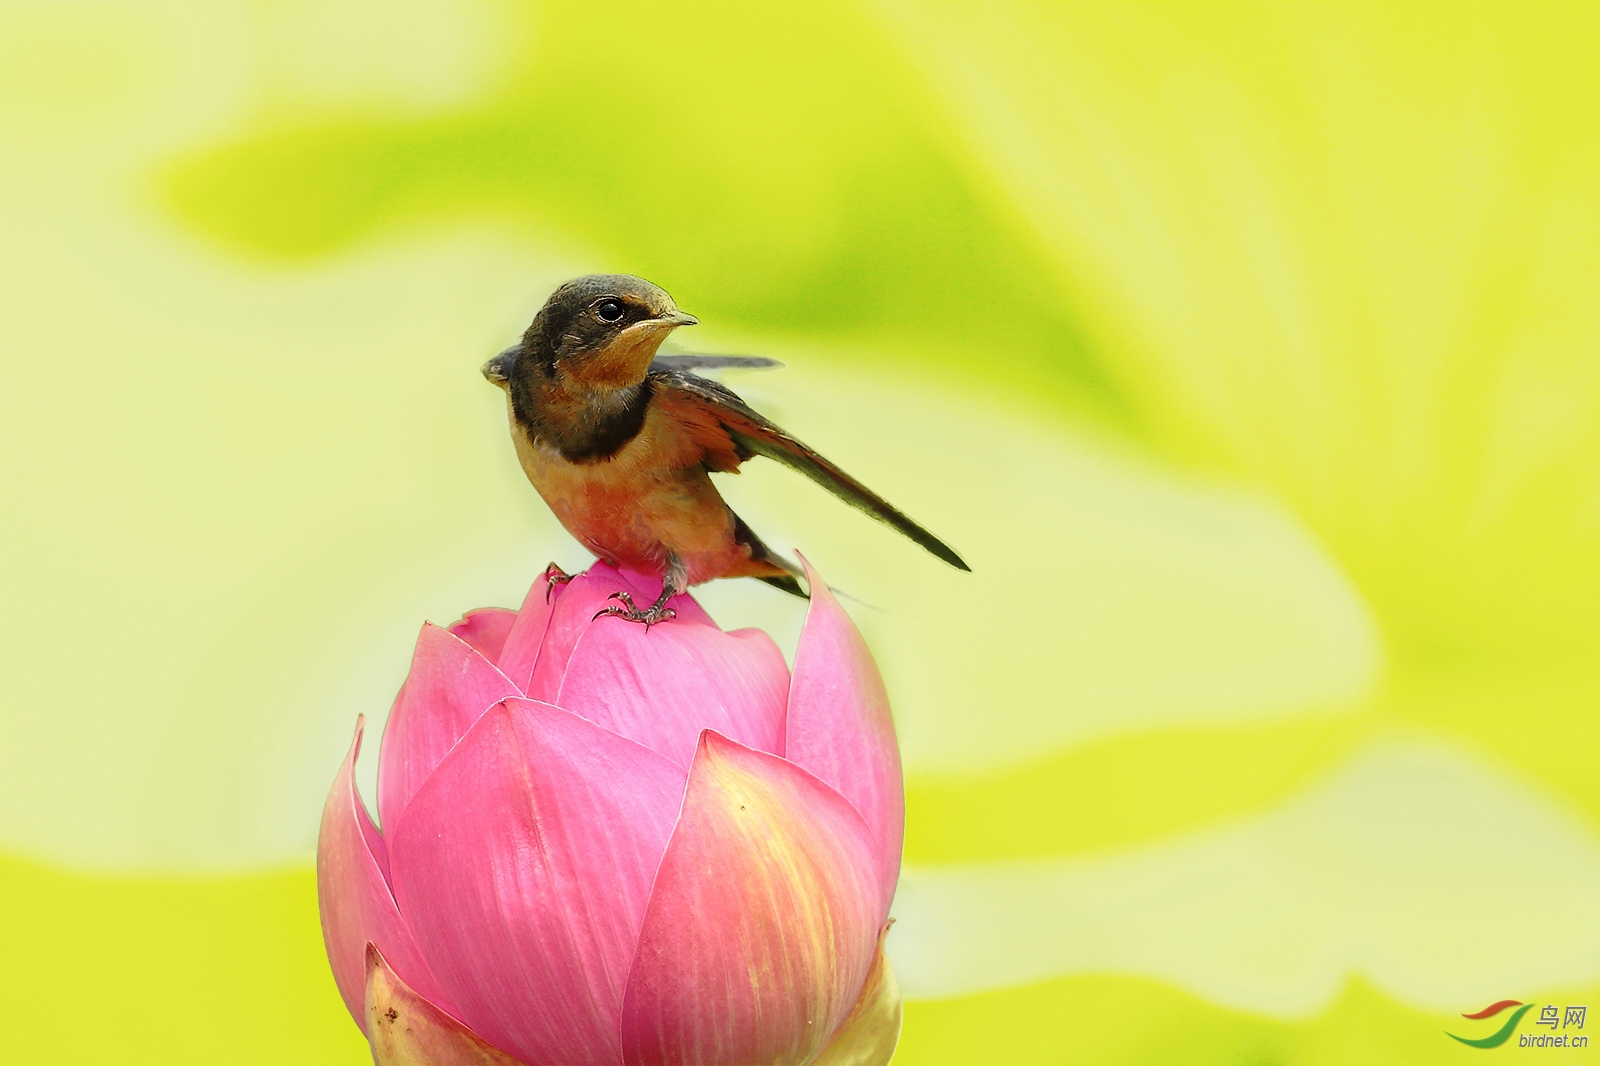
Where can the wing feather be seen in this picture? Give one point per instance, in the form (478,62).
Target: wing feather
(687,361)
(731,432)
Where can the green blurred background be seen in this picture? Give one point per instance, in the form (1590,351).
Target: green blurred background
(1250,352)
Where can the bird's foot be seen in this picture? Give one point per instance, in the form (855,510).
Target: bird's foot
(625,608)
(553,576)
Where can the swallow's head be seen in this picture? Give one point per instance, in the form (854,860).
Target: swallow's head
(600,330)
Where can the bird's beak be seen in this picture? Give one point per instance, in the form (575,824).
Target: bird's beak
(498,369)
(626,360)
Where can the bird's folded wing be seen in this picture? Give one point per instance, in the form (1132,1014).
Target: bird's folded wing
(730,432)
(688,361)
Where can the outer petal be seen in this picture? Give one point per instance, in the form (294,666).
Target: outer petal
(486,629)
(449,686)
(524,866)
(763,921)
(580,599)
(521,648)
(869,1035)
(840,729)
(662,687)
(354,899)
(406,1030)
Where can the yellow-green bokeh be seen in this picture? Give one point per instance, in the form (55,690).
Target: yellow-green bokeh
(1250,351)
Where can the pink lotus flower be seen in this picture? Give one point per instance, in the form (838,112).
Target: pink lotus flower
(607,845)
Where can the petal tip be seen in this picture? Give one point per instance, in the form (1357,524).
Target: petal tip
(817,590)
(353,752)
(713,745)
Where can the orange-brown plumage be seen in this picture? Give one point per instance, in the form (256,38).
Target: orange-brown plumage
(620,443)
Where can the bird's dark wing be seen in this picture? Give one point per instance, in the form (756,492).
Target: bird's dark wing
(686,361)
(730,432)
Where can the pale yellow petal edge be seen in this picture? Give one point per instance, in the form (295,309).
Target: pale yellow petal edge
(406,1030)
(872,1029)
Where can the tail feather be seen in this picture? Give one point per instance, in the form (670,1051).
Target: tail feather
(787,583)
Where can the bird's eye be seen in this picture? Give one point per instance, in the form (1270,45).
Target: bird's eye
(609,310)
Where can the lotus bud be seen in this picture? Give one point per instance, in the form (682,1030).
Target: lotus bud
(603,843)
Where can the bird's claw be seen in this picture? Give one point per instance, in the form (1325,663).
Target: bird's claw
(553,576)
(626,609)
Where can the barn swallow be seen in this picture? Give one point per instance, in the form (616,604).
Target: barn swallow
(620,442)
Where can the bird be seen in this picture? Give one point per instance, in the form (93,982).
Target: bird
(621,440)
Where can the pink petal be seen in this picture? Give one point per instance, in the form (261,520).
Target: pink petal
(869,1035)
(406,1030)
(762,924)
(662,687)
(353,896)
(521,648)
(449,686)
(524,865)
(486,629)
(840,729)
(583,596)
